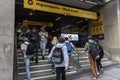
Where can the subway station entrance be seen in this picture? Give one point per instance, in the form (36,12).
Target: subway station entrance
(59,19)
(73,20)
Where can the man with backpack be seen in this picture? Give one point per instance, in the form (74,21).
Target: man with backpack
(59,56)
(27,51)
(92,49)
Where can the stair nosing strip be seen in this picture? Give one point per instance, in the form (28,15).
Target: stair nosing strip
(36,66)
(51,76)
(21,62)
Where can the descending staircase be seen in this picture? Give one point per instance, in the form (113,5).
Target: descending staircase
(43,71)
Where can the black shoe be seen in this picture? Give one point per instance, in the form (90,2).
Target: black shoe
(36,61)
(53,72)
(32,59)
(43,58)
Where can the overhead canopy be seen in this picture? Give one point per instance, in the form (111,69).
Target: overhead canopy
(54,8)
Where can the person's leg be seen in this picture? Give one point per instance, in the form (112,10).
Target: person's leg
(63,73)
(27,67)
(58,73)
(98,64)
(36,52)
(53,67)
(42,48)
(93,66)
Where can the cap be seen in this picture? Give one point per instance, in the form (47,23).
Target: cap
(89,37)
(26,39)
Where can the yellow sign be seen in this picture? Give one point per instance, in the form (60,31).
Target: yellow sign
(54,8)
(97,26)
(26,22)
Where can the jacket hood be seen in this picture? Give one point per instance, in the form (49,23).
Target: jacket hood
(26,42)
(91,40)
(67,41)
(59,45)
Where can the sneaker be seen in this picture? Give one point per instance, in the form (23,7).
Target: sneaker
(29,79)
(94,78)
(43,58)
(98,73)
(53,72)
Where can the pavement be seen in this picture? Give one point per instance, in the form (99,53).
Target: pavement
(109,73)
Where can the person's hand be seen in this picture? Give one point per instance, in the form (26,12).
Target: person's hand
(97,57)
(66,69)
(33,38)
(25,56)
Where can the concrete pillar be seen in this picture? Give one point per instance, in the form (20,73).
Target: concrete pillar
(7,10)
(111,40)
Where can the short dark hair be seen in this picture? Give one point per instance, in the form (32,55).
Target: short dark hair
(61,39)
(90,37)
(34,27)
(66,38)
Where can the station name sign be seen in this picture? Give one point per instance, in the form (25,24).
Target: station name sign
(59,9)
(26,23)
(97,26)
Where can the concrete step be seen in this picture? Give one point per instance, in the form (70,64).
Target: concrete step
(42,70)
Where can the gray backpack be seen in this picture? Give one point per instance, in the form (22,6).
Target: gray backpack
(93,49)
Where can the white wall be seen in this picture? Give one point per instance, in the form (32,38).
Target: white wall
(6,39)
(111,40)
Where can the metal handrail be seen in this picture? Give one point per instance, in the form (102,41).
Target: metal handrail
(77,54)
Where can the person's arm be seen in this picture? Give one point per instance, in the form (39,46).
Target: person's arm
(66,57)
(46,34)
(86,47)
(23,50)
(72,45)
(51,52)
(30,36)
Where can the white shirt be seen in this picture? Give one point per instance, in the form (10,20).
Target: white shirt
(24,46)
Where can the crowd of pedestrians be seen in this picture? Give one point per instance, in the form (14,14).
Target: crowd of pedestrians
(35,40)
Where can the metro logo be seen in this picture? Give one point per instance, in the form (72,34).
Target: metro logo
(30,2)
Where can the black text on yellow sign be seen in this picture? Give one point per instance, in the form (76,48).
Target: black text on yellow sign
(53,8)
(97,26)
(26,23)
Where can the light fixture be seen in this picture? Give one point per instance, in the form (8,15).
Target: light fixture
(58,18)
(79,22)
(107,0)
(31,13)
(81,0)
(91,2)
(68,25)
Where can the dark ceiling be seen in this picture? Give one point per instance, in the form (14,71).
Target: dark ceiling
(34,15)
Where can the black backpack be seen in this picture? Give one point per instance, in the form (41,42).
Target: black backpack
(93,49)
(57,56)
(30,49)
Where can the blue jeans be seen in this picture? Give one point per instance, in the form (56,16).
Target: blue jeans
(43,43)
(27,65)
(53,66)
